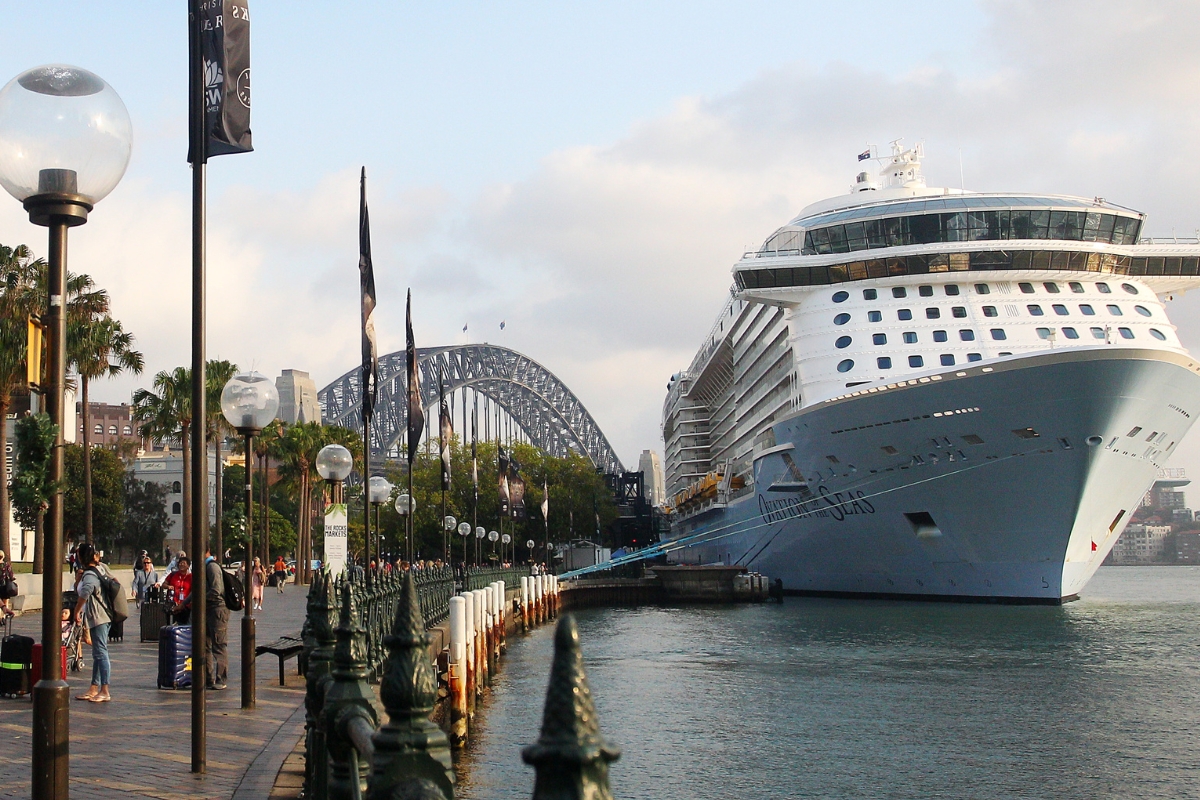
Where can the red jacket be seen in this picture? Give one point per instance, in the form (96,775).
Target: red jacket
(181,584)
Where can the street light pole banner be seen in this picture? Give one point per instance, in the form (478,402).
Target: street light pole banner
(335,538)
(225,61)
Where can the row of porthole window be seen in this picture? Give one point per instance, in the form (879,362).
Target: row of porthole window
(885,362)
(998,334)
(953,290)
(960,312)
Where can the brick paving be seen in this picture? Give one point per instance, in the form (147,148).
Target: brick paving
(139,745)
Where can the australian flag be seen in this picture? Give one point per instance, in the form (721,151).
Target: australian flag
(864,155)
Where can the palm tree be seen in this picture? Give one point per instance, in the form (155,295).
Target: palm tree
(298,448)
(216,375)
(165,415)
(98,347)
(18,271)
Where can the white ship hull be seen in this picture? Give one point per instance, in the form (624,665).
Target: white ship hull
(927,490)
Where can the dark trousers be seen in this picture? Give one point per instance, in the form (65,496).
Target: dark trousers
(217,642)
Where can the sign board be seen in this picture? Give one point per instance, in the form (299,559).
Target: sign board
(335,537)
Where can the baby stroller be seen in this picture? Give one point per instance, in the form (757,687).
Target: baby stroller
(72,639)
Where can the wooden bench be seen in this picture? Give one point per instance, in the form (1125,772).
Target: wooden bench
(282,648)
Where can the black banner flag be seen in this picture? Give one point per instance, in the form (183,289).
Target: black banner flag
(502,480)
(225,62)
(366,274)
(446,434)
(416,414)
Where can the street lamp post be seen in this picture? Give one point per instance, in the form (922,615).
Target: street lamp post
(480,532)
(449,523)
(249,403)
(530,545)
(464,530)
(492,537)
(505,540)
(406,506)
(334,463)
(65,139)
(379,489)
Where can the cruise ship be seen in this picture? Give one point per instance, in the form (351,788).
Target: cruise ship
(931,393)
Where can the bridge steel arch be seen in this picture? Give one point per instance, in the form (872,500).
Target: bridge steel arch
(547,411)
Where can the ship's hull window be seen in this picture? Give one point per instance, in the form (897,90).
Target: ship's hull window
(1145,312)
(841,319)
(845,366)
(883,362)
(879,338)
(1157,334)
(904,314)
(910,337)
(1115,310)
(1098,333)
(916,361)
(874,316)
(998,334)
(974,357)
(990,311)
(1087,310)
(1070,333)
(947,360)
(1035,310)
(939,336)
(967,335)
(1060,309)
(1126,333)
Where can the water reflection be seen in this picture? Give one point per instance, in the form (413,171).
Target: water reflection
(834,698)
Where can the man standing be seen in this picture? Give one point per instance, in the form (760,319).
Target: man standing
(217,616)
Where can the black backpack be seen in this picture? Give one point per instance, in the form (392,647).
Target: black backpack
(233,591)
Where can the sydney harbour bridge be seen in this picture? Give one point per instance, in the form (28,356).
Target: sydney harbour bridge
(514,395)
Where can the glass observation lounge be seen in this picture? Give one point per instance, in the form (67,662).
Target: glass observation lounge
(779,277)
(934,221)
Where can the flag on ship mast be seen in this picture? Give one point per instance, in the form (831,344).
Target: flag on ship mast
(416,414)
(864,155)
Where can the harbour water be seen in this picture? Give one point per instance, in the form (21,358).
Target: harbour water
(1099,698)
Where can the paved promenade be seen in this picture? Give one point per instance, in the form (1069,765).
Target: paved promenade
(139,745)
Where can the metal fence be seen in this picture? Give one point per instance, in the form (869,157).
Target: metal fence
(482,577)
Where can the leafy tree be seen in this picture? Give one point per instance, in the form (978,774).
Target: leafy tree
(216,375)
(108,495)
(283,535)
(34,438)
(146,520)
(98,347)
(17,300)
(165,415)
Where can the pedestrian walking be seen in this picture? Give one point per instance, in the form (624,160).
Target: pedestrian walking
(96,618)
(216,633)
(145,576)
(280,573)
(258,578)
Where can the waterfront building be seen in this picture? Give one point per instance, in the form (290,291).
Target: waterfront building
(112,425)
(297,397)
(1141,544)
(1187,547)
(653,479)
(165,467)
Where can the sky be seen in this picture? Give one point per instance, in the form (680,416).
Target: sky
(587,173)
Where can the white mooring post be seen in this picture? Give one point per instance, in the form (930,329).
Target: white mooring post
(540,604)
(502,593)
(481,662)
(493,612)
(525,602)
(458,668)
(469,615)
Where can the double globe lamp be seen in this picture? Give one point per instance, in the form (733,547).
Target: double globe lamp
(379,491)
(249,403)
(65,141)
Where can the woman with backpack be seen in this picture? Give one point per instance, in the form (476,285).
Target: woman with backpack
(8,586)
(96,616)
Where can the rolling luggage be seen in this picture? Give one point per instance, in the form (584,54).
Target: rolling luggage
(16,655)
(175,657)
(35,669)
(154,616)
(116,631)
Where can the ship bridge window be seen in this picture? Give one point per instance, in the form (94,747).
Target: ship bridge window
(1129,287)
(982,288)
(845,366)
(1060,309)
(1070,333)
(933,313)
(939,336)
(841,297)
(1157,334)
(904,314)
(1114,309)
(842,342)
(952,290)
(870,294)
(1087,310)
(1051,287)
(841,319)
(916,361)
(1145,312)
(947,360)
(1103,288)
(1076,287)
(1044,333)
(990,311)
(1026,288)
(1126,333)
(974,357)
(998,334)
(967,335)
(910,337)
(925,291)
(1098,333)
(874,316)
(958,312)
(1035,310)
(899,291)
(879,338)
(883,362)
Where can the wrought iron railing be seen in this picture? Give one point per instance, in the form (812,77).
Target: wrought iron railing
(482,577)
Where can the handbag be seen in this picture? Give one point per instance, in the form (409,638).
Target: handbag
(10,590)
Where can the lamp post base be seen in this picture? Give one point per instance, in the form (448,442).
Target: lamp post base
(51,739)
(248,660)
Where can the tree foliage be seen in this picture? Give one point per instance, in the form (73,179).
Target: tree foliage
(32,487)
(146,520)
(108,496)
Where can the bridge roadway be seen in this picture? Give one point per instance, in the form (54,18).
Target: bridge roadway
(139,745)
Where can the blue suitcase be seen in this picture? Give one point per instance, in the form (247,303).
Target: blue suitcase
(175,657)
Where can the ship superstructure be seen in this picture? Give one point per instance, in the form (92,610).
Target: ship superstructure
(989,374)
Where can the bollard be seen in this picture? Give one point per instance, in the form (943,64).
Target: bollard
(539,604)
(494,614)
(557,595)
(458,667)
(322,611)
(412,755)
(525,603)
(571,757)
(469,643)
(481,662)
(348,716)
(502,594)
